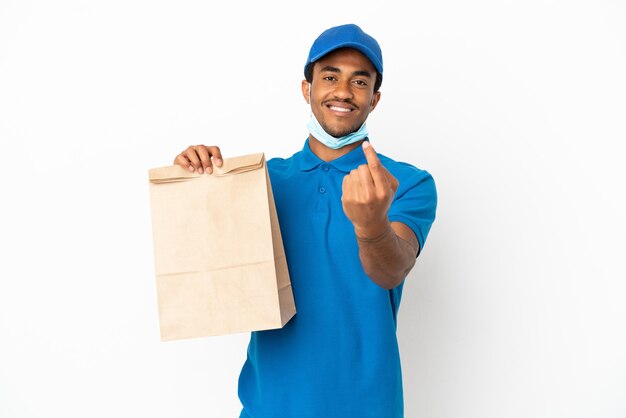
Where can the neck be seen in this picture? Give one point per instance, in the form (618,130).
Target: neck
(328,154)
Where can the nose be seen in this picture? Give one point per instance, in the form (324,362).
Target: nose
(343,90)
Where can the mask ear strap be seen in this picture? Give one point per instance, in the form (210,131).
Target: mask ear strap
(309,93)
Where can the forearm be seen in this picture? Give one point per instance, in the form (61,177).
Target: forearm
(386,258)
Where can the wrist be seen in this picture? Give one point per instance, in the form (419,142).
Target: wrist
(373,232)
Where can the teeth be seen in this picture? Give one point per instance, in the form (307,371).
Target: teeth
(339,109)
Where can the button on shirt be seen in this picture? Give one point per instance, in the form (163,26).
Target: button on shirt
(338,356)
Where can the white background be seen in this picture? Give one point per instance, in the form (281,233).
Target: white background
(516,307)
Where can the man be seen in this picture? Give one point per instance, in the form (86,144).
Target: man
(352,223)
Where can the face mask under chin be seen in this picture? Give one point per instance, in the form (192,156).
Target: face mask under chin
(317,131)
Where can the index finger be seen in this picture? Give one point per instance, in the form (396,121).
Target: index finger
(370,154)
(373,162)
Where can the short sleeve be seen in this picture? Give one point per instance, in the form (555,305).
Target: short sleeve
(415,204)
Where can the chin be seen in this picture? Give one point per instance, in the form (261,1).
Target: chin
(338,133)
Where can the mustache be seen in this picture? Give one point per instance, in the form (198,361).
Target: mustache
(337,99)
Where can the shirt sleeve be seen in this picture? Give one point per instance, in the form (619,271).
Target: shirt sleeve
(415,204)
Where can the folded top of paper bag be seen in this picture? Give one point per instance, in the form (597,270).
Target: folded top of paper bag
(230,166)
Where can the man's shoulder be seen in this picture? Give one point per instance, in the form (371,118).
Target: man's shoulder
(280,164)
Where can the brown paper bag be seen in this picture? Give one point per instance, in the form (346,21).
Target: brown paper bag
(219,258)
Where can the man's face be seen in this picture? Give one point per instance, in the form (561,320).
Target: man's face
(342,91)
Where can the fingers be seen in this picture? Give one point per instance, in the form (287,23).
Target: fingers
(183,162)
(200,158)
(372,179)
(365,180)
(351,186)
(195,162)
(359,185)
(393,182)
(370,155)
(379,173)
(217,155)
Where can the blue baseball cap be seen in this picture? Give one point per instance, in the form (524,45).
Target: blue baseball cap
(346,36)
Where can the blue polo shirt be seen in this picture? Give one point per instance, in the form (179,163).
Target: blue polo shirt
(338,356)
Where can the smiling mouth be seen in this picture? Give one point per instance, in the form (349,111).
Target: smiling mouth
(340,109)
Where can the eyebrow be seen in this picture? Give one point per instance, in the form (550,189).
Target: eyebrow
(332,69)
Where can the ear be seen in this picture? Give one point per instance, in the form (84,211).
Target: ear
(374,101)
(306,91)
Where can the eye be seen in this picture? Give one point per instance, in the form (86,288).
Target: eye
(329,78)
(361,83)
